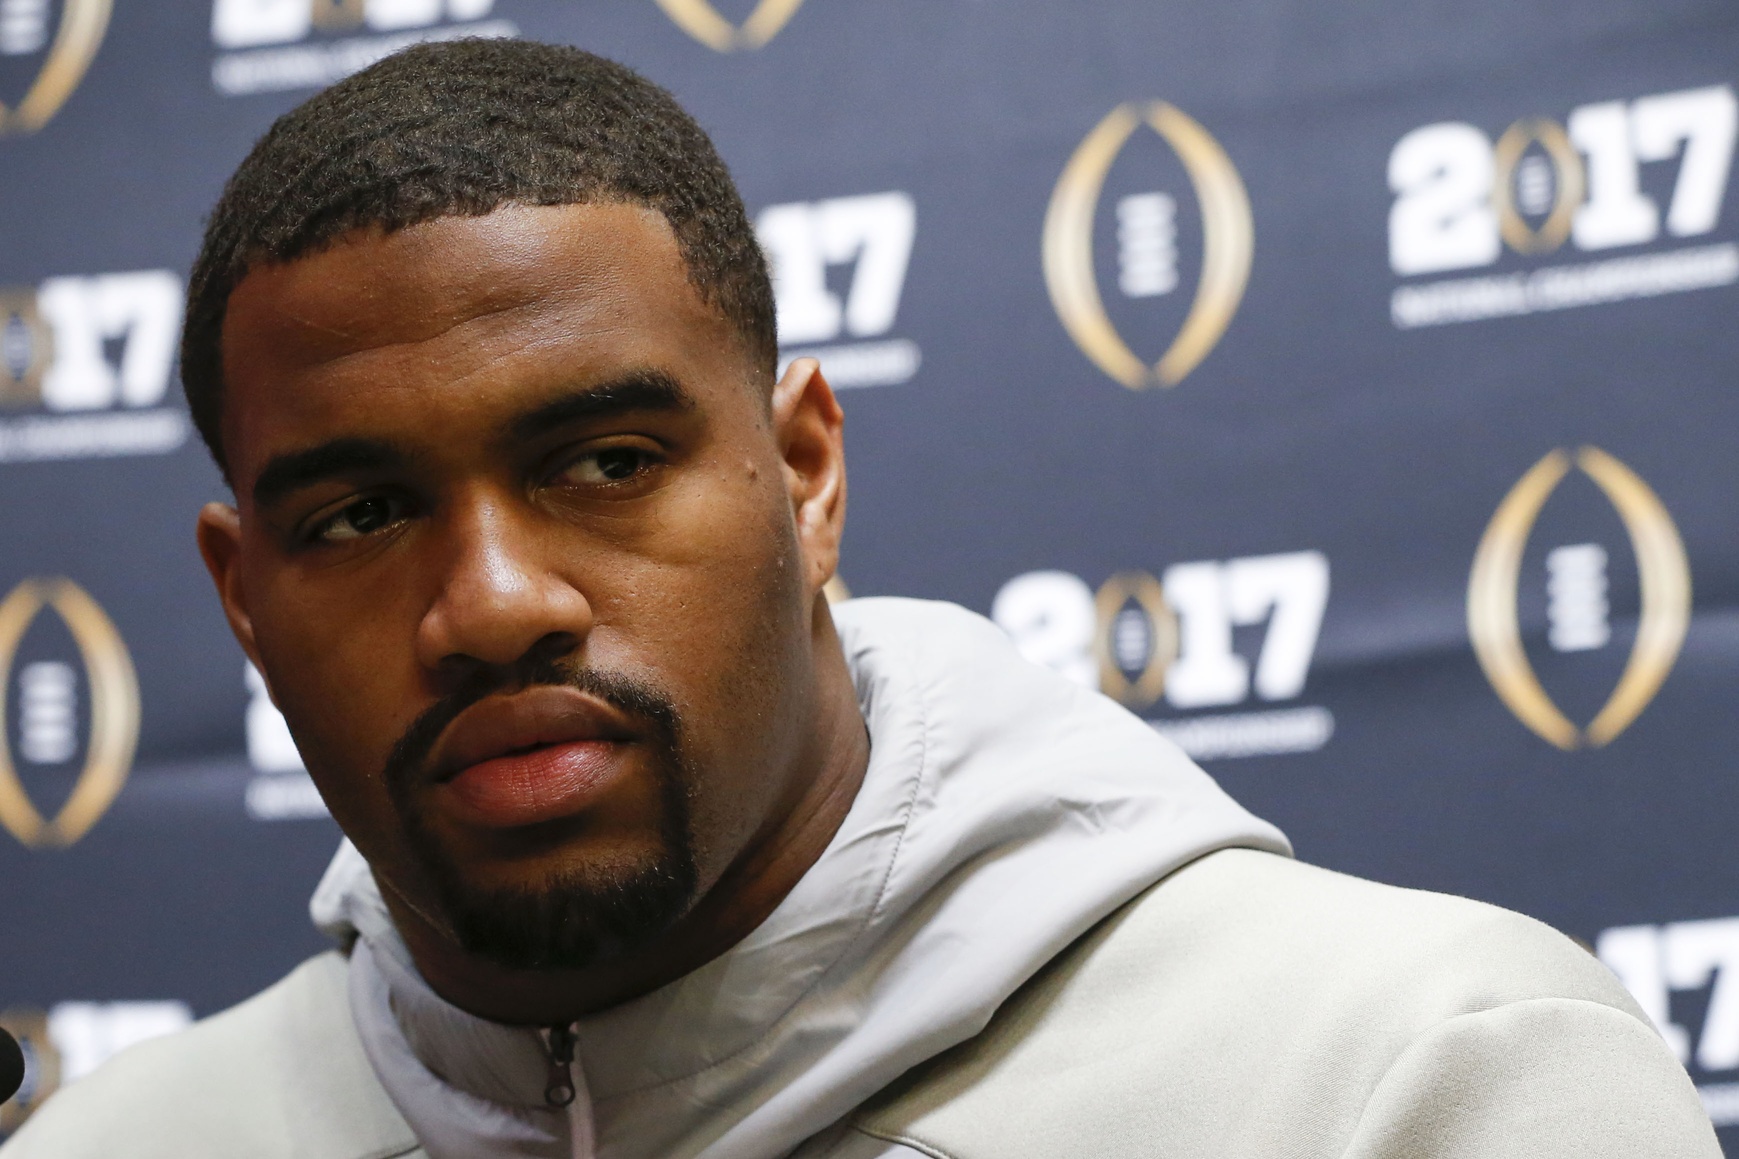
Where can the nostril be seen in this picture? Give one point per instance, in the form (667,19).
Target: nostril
(457,669)
(553,646)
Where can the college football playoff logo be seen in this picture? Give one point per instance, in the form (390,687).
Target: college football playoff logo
(66,54)
(1513,155)
(1664,577)
(26,348)
(47,729)
(702,21)
(1148,234)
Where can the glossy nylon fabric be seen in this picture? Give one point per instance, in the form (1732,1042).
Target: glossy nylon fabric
(1004,812)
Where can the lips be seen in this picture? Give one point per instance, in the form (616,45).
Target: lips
(534,756)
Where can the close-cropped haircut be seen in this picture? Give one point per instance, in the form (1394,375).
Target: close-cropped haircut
(460,129)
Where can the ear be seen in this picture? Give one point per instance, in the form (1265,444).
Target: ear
(810,429)
(220,542)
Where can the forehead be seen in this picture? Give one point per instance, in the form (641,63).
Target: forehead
(462,312)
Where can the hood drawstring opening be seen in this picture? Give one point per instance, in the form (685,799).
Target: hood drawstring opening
(560,1090)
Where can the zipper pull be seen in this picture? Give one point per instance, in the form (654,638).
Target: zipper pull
(560,1091)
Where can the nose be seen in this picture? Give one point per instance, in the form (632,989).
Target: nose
(499,599)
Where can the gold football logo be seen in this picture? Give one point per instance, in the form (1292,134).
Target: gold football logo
(702,21)
(82,24)
(1568,180)
(1665,581)
(1228,242)
(30,1028)
(114,712)
(26,348)
(1141,687)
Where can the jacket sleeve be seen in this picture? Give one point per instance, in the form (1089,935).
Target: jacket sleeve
(1542,1078)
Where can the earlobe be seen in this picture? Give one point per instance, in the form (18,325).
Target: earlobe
(810,428)
(219,534)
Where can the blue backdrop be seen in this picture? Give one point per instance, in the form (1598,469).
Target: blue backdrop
(1348,389)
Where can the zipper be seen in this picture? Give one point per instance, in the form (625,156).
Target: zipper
(560,1091)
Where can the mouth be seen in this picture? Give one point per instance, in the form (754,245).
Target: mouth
(530,757)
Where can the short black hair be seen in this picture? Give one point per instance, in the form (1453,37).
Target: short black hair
(459,129)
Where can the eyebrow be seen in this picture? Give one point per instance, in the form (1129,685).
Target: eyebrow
(639,390)
(293,470)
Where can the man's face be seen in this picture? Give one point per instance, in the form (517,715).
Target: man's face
(522,553)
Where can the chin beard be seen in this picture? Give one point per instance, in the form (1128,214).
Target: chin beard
(575,921)
(578,917)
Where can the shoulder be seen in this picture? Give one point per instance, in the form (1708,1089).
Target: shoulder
(1261,953)
(1246,943)
(283,1073)
(1243,919)
(1249,1004)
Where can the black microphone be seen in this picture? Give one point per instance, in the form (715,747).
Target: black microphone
(11,1066)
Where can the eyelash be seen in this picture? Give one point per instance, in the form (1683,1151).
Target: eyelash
(646,459)
(395,513)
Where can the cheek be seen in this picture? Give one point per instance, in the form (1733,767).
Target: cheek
(721,593)
(720,618)
(343,680)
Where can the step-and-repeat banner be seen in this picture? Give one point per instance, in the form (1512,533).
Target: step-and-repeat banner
(1349,391)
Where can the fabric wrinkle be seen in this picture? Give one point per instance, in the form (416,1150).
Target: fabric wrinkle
(1003,813)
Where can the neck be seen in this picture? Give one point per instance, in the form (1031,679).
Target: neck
(748,891)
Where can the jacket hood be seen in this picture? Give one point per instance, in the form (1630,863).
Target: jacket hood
(1004,812)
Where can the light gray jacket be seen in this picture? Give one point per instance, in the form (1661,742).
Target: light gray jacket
(1245,1006)
(985,923)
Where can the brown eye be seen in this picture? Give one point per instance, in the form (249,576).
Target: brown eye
(610,465)
(363,517)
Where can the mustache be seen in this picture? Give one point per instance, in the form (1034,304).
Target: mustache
(639,700)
